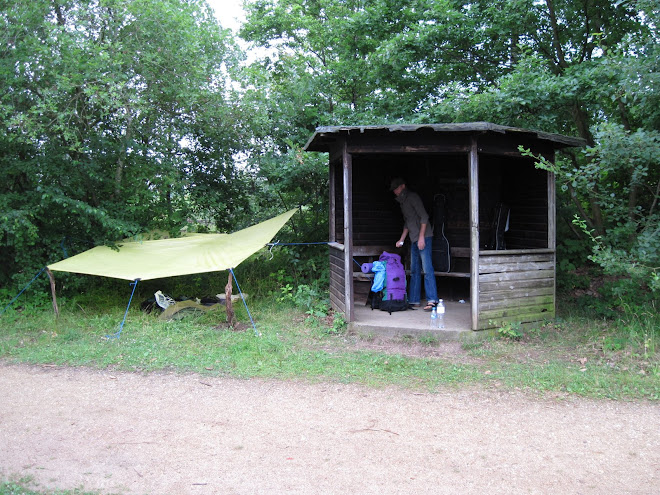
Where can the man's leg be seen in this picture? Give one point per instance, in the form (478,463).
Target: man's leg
(430,287)
(415,292)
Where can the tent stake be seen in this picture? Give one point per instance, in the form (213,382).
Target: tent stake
(52,291)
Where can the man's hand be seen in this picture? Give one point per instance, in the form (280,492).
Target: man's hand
(421,243)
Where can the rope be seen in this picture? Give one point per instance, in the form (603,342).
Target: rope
(63,246)
(256,332)
(24,289)
(121,326)
(278,243)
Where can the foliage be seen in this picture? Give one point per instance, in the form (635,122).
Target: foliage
(510,330)
(120,116)
(108,129)
(621,182)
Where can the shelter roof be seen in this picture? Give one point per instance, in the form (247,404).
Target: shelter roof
(324,137)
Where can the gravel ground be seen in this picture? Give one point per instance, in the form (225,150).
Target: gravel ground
(167,434)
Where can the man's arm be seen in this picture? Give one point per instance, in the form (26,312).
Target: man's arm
(421,242)
(399,243)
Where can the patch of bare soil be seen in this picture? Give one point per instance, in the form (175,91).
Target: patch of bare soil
(451,351)
(173,434)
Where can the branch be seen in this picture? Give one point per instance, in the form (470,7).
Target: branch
(555,35)
(578,205)
(655,199)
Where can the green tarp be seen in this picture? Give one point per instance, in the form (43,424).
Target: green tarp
(194,253)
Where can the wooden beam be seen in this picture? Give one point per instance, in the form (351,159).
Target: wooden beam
(231,318)
(381,148)
(552,224)
(473,175)
(347,162)
(52,292)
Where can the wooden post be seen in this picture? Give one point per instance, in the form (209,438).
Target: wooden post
(231,320)
(552,225)
(474,232)
(348,231)
(52,291)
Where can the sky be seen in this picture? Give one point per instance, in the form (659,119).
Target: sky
(227,12)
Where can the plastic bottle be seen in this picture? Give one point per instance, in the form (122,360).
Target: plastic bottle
(440,321)
(434,318)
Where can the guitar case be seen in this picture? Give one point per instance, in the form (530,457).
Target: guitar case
(500,226)
(440,255)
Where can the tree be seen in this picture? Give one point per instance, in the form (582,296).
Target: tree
(587,68)
(113,112)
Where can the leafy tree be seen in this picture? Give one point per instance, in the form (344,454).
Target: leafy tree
(114,115)
(585,68)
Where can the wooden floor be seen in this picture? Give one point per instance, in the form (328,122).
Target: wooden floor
(414,323)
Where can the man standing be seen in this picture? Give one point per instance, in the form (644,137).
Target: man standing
(416,226)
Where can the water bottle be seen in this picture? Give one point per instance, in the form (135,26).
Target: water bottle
(440,320)
(434,318)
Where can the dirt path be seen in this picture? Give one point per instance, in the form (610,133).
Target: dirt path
(168,434)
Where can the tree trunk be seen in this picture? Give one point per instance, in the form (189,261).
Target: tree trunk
(121,163)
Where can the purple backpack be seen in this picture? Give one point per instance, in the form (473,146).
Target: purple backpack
(395,278)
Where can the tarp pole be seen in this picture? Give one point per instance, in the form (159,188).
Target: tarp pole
(52,291)
(228,303)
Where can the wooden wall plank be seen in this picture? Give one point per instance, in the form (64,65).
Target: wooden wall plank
(517,267)
(508,252)
(509,295)
(516,303)
(519,311)
(516,258)
(337,303)
(515,276)
(486,287)
(516,288)
(337,278)
(531,317)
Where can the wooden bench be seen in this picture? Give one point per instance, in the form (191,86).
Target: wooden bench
(456,252)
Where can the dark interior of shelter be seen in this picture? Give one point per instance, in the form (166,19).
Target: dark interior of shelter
(509,187)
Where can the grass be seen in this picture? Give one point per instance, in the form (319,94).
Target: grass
(23,487)
(575,356)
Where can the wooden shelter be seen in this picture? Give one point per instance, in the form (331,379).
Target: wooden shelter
(479,169)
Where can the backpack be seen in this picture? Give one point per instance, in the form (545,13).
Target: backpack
(389,292)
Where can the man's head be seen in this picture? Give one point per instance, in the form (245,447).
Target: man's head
(397,185)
